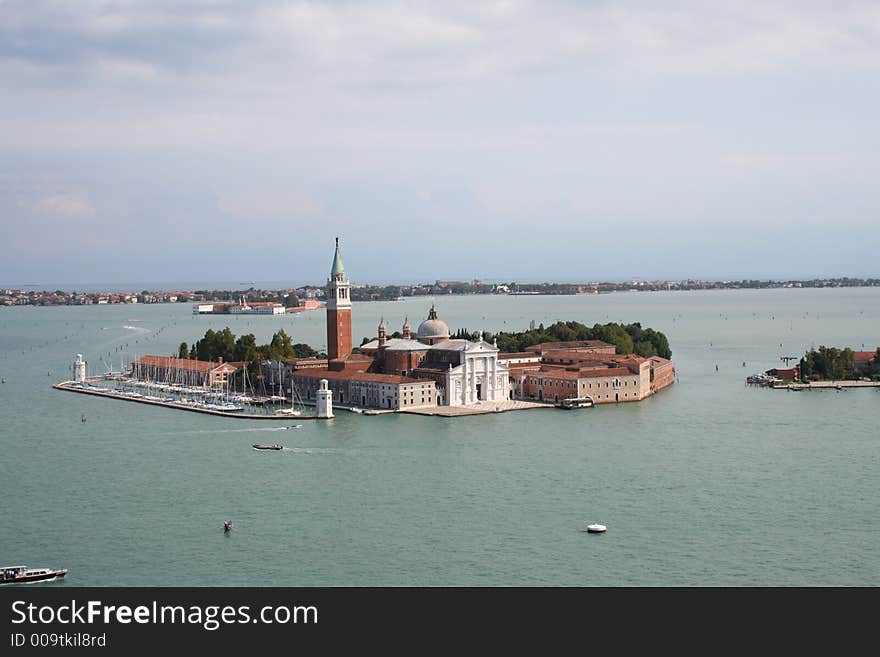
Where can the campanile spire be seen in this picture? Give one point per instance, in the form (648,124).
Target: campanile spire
(338,309)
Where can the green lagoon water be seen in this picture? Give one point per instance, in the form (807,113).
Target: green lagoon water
(708,483)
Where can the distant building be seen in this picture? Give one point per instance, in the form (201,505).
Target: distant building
(257,308)
(307,304)
(785,373)
(866,362)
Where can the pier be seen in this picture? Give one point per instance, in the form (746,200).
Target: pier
(70,387)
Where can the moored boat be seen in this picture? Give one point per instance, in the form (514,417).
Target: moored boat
(24,575)
(577,402)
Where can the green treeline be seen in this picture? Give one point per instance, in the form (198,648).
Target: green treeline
(828,363)
(224,344)
(627,338)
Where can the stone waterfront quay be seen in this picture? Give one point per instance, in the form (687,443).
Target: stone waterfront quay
(479,409)
(820,385)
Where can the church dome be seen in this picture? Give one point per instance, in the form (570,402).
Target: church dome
(432,328)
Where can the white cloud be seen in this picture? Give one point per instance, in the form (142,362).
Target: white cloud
(72,205)
(126,70)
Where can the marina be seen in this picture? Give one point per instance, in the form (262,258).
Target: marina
(72,386)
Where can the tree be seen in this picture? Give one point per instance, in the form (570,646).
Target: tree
(305,351)
(246,348)
(183,350)
(216,344)
(280,348)
(626,339)
(829,363)
(205,346)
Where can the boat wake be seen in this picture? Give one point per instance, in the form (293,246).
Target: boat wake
(251,430)
(139,329)
(317,450)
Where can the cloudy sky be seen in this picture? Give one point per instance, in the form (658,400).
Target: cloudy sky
(160,140)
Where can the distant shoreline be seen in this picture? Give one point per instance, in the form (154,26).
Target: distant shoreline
(11,297)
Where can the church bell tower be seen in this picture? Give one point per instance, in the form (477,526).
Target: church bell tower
(338,310)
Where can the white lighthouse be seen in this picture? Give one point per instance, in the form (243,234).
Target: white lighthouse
(324,400)
(79,369)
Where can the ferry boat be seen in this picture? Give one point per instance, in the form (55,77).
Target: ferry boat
(24,575)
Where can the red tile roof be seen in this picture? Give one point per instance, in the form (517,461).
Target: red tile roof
(356,376)
(582,373)
(864,356)
(573,344)
(182,363)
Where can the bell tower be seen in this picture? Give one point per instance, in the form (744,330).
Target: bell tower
(383,333)
(338,310)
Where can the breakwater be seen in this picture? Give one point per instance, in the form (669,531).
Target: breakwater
(68,387)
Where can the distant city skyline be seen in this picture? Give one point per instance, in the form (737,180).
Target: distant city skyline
(168,141)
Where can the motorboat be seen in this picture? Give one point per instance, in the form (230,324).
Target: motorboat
(355,409)
(275,447)
(24,575)
(288,411)
(596,529)
(227,525)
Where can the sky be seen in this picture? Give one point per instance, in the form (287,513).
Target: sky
(160,140)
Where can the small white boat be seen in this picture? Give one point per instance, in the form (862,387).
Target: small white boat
(596,529)
(355,409)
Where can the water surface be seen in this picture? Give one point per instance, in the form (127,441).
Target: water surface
(708,483)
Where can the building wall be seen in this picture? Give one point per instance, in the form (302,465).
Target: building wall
(664,376)
(417,395)
(372,394)
(611,389)
(338,332)
(307,387)
(553,387)
(401,362)
(479,378)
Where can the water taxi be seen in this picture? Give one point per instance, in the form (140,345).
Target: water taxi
(274,447)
